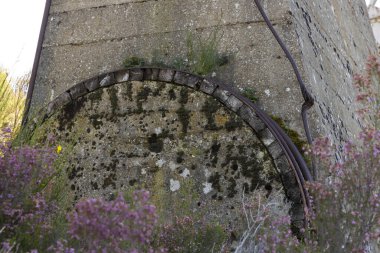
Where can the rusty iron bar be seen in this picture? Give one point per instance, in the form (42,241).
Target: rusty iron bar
(308,99)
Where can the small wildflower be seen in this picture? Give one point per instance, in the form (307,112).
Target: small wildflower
(59,149)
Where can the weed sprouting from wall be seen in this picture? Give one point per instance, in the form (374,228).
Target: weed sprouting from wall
(202,56)
(250,93)
(133,61)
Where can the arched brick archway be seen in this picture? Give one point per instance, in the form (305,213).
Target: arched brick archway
(286,159)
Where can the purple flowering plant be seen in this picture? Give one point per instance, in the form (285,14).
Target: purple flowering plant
(97,225)
(24,209)
(347,201)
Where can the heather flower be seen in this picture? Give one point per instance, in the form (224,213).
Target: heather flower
(24,172)
(97,225)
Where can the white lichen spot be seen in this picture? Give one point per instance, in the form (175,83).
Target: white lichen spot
(267,92)
(260,155)
(207,187)
(213,74)
(288,89)
(172,166)
(105,81)
(125,77)
(174,185)
(158,130)
(160,163)
(237,6)
(51,95)
(207,173)
(143,171)
(249,27)
(267,141)
(185,173)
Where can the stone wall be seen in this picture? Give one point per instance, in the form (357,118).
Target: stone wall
(87,38)
(330,42)
(335,39)
(198,154)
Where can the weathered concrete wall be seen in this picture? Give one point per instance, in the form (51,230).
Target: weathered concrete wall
(86,38)
(329,40)
(195,155)
(335,39)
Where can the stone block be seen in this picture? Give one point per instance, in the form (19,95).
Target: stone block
(234,103)
(166,75)
(194,81)
(107,80)
(92,84)
(267,137)
(282,165)
(296,212)
(58,102)
(136,74)
(122,76)
(181,78)
(221,94)
(77,90)
(207,86)
(275,150)
(294,195)
(250,116)
(151,74)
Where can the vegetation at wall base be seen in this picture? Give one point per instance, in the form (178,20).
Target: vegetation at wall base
(202,57)
(12,100)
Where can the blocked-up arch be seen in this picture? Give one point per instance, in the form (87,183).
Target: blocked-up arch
(286,158)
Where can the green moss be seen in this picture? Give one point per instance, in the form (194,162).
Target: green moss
(184,117)
(141,97)
(68,113)
(110,181)
(129,91)
(95,96)
(250,93)
(293,135)
(155,143)
(210,107)
(112,92)
(233,124)
(133,61)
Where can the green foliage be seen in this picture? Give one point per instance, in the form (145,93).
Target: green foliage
(134,61)
(12,101)
(202,55)
(188,236)
(250,93)
(293,135)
